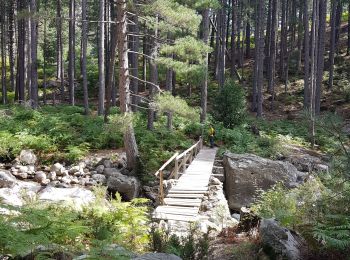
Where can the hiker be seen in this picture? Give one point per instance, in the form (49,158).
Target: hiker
(211,135)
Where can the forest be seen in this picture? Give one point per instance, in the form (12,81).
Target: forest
(97,95)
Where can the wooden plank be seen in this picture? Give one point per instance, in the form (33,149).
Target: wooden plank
(185,195)
(183,202)
(187,191)
(175,217)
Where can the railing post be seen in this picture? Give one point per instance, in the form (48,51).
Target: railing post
(161,190)
(176,169)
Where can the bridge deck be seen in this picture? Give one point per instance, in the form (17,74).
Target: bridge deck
(183,201)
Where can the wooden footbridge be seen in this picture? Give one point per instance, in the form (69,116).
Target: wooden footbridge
(192,169)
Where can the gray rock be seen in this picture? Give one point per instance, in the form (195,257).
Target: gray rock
(126,185)
(15,194)
(307,163)
(74,169)
(111,172)
(121,162)
(100,178)
(125,171)
(246,174)
(107,163)
(236,216)
(74,180)
(279,242)
(157,256)
(21,175)
(40,177)
(52,176)
(23,169)
(66,180)
(57,167)
(93,172)
(99,169)
(27,157)
(7,180)
(76,196)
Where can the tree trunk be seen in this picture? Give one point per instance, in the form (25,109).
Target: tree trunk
(348,49)
(306,55)
(233,39)
(204,86)
(134,61)
(3,53)
(11,32)
(332,47)
(261,43)
(20,82)
(124,84)
(60,62)
(33,54)
(272,52)
(222,44)
(101,59)
(314,55)
(321,50)
(71,65)
(247,40)
(84,39)
(300,41)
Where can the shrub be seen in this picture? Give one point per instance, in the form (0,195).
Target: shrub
(230,106)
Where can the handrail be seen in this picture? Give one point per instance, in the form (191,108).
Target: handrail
(180,162)
(166,164)
(188,150)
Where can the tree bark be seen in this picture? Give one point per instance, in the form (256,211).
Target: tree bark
(233,39)
(3,53)
(261,43)
(134,61)
(130,145)
(33,54)
(71,64)
(321,50)
(306,56)
(84,39)
(204,86)
(20,82)
(11,32)
(272,53)
(332,47)
(101,59)
(60,62)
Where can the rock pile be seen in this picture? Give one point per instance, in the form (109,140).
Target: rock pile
(43,181)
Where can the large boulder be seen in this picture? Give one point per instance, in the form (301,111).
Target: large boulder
(279,242)
(7,180)
(78,197)
(19,193)
(246,174)
(27,157)
(127,186)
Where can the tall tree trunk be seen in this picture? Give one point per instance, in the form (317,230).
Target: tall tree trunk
(272,52)
(101,59)
(321,50)
(11,33)
(204,86)
(338,25)
(84,39)
(300,40)
(33,54)
(153,73)
(332,47)
(233,38)
(71,69)
(314,55)
(60,62)
(20,82)
(3,52)
(44,57)
(306,56)
(222,44)
(134,61)
(130,145)
(111,65)
(283,46)
(261,43)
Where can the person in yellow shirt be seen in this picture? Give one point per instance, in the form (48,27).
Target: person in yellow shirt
(211,133)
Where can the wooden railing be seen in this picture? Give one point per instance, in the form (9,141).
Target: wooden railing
(180,163)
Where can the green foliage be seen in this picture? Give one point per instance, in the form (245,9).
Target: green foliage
(229,106)
(193,246)
(60,228)
(245,251)
(53,132)
(168,103)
